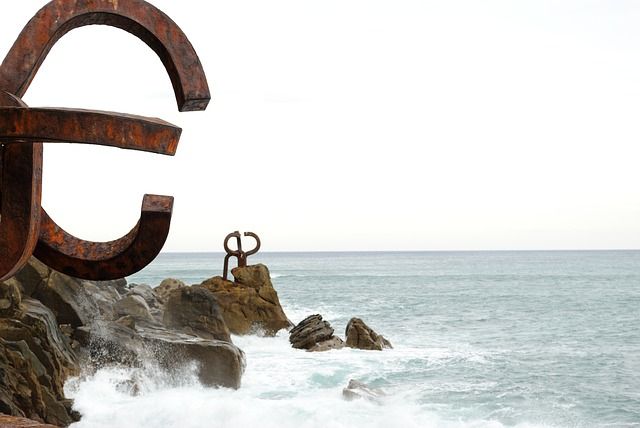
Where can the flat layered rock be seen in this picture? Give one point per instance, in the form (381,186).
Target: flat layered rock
(309,332)
(35,361)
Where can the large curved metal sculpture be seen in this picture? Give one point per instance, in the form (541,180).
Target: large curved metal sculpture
(25,228)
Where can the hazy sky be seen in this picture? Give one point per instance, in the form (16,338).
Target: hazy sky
(364,125)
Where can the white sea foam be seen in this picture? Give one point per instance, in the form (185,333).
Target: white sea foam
(282,387)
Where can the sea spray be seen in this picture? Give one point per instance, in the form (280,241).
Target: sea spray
(482,339)
(282,387)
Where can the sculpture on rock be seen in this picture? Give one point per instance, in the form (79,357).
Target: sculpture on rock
(238,253)
(25,227)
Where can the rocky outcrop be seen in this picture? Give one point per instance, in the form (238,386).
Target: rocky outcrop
(51,324)
(356,390)
(250,302)
(166,287)
(35,360)
(361,336)
(219,363)
(313,333)
(194,310)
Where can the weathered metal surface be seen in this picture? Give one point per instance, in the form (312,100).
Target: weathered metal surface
(238,253)
(107,260)
(137,17)
(25,228)
(21,185)
(24,125)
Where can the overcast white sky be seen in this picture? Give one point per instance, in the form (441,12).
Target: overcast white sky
(364,125)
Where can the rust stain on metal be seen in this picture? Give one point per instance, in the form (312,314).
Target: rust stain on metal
(25,228)
(238,253)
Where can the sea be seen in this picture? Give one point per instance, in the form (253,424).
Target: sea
(480,339)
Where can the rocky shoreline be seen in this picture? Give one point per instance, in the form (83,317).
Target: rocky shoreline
(53,327)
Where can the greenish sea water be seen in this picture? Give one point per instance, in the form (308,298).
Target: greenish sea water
(481,339)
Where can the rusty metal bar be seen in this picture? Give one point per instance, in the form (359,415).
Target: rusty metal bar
(89,127)
(20,195)
(137,17)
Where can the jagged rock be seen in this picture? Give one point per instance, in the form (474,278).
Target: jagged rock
(35,360)
(103,322)
(74,301)
(310,331)
(134,306)
(10,298)
(194,310)
(146,292)
(333,343)
(219,363)
(361,336)
(250,302)
(356,389)
(166,287)
(30,277)
(7,421)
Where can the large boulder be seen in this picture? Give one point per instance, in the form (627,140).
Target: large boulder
(73,301)
(195,310)
(361,336)
(146,292)
(134,306)
(165,288)
(35,361)
(310,331)
(250,302)
(220,363)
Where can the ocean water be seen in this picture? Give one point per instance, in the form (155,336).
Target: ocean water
(481,339)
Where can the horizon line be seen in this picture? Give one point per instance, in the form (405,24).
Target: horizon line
(410,251)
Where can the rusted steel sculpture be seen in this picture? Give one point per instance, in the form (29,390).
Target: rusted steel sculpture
(238,253)
(25,228)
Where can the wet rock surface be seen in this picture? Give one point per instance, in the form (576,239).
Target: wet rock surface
(310,332)
(316,335)
(195,310)
(219,363)
(359,335)
(357,390)
(53,326)
(35,360)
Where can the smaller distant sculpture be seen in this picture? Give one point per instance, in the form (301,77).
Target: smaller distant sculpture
(238,253)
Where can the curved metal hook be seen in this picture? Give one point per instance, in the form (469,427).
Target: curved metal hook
(137,17)
(255,250)
(239,253)
(229,251)
(107,260)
